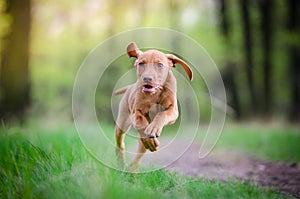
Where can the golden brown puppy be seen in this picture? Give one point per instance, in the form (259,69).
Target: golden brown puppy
(150,103)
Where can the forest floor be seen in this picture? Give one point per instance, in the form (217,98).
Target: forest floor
(229,165)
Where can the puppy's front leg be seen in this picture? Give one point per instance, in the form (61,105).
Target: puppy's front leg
(161,119)
(139,121)
(144,144)
(149,143)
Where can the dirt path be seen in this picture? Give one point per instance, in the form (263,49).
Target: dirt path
(224,165)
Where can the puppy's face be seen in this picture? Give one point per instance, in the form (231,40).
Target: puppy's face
(152,69)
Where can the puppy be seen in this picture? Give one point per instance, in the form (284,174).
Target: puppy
(150,103)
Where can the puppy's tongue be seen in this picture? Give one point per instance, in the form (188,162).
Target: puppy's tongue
(148,89)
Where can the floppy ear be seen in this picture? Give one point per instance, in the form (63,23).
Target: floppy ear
(133,51)
(176,60)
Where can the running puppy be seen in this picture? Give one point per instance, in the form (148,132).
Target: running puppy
(150,103)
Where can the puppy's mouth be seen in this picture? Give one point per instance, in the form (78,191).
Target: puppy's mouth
(147,88)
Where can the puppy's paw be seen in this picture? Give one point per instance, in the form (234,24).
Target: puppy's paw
(152,131)
(150,143)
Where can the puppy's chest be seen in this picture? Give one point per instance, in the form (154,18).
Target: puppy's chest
(144,104)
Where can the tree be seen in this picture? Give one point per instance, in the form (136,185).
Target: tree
(230,67)
(293,27)
(267,33)
(14,71)
(247,32)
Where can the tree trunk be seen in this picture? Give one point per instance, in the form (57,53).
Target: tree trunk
(228,74)
(14,74)
(224,22)
(265,10)
(244,7)
(294,60)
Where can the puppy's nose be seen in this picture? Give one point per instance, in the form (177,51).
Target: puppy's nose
(147,78)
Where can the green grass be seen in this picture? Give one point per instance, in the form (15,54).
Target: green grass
(52,163)
(276,143)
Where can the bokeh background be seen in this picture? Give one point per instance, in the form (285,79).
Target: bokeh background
(255,45)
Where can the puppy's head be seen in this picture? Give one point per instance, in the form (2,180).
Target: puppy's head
(153,67)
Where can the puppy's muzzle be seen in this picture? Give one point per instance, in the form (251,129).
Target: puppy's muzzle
(148,86)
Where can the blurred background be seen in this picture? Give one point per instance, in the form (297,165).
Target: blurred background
(255,44)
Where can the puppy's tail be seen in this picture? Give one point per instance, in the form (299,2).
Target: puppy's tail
(121,90)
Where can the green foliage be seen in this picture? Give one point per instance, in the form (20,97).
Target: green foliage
(63,34)
(52,163)
(5,21)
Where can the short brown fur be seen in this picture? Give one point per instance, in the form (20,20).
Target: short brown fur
(150,103)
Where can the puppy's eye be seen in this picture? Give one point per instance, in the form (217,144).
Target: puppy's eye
(160,65)
(141,64)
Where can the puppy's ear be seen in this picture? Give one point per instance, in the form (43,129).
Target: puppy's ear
(176,60)
(133,51)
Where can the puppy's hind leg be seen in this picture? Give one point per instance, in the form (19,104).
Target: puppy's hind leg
(136,161)
(120,146)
